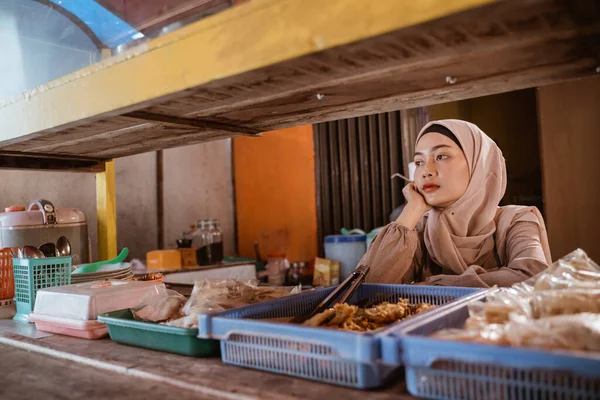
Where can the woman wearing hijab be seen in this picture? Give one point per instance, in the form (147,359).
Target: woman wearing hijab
(451,231)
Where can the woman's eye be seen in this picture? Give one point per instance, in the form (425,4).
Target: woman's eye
(441,157)
(418,163)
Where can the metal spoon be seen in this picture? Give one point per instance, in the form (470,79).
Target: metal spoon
(63,247)
(49,249)
(30,252)
(15,252)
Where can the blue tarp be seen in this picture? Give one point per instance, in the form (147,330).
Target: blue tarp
(109,28)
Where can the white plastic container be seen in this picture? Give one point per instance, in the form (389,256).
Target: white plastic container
(73,309)
(347,249)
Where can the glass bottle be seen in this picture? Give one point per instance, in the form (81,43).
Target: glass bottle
(293,275)
(217,241)
(203,240)
(277,266)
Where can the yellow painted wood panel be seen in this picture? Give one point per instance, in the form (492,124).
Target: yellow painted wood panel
(106,206)
(233,42)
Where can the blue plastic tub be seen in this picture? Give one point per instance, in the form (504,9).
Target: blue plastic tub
(443,369)
(327,355)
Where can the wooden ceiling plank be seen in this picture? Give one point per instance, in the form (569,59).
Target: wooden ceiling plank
(204,125)
(227,44)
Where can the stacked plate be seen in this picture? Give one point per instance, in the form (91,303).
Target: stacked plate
(124,272)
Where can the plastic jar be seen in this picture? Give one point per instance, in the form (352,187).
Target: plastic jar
(347,249)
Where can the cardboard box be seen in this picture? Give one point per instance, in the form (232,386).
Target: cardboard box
(326,273)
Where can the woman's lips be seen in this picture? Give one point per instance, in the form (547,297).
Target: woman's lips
(430,187)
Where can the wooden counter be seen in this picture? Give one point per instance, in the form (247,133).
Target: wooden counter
(62,367)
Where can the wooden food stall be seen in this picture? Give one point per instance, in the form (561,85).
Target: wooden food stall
(233,74)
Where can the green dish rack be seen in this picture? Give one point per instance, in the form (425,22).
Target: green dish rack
(124,329)
(33,274)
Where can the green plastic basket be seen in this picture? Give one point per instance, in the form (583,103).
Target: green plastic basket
(33,274)
(124,329)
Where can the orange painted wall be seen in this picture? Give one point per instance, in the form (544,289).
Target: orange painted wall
(275,193)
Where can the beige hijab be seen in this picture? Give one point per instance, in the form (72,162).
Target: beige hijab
(464,233)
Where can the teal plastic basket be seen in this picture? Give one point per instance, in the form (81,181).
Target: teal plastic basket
(33,274)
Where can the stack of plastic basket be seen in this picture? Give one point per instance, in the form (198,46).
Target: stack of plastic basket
(7,281)
(33,274)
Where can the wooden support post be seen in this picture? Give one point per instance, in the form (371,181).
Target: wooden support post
(106,209)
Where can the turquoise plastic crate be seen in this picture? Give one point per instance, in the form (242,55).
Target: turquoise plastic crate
(33,274)
(123,328)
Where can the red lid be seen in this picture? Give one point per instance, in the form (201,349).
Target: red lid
(14,208)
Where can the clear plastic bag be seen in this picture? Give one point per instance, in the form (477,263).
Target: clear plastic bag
(214,295)
(557,309)
(159,306)
(498,306)
(565,302)
(575,270)
(568,332)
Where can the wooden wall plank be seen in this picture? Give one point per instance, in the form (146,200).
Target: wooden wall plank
(569,139)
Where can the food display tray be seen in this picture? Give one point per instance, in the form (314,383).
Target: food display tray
(124,329)
(444,369)
(328,355)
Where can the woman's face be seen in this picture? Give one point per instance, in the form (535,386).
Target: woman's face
(442,174)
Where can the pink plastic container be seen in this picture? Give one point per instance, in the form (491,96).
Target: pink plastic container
(69,327)
(73,309)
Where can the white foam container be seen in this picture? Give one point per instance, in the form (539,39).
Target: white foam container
(73,309)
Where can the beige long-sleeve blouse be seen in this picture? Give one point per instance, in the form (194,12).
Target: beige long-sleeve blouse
(397,254)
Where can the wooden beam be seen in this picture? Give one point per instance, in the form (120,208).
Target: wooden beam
(106,209)
(13,160)
(205,125)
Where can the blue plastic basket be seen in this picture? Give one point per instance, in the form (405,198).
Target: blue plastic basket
(442,369)
(33,274)
(321,354)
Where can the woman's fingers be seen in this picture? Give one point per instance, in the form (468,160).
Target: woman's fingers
(412,195)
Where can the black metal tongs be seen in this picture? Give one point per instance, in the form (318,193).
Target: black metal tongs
(348,287)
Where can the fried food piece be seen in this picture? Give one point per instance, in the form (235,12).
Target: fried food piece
(386,313)
(318,319)
(419,308)
(352,318)
(351,325)
(343,312)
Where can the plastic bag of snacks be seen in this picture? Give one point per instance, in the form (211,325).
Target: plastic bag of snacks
(558,309)
(159,306)
(214,295)
(575,270)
